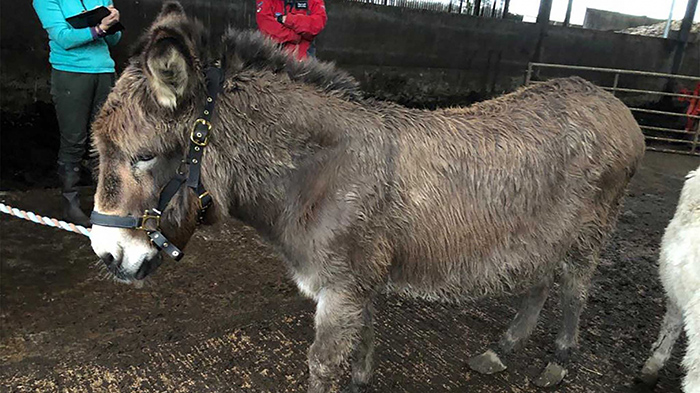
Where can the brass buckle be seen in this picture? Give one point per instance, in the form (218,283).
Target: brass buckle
(206,140)
(201,204)
(147,217)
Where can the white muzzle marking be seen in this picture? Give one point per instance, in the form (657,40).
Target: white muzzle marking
(127,248)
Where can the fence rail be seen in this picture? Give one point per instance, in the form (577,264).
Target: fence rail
(665,138)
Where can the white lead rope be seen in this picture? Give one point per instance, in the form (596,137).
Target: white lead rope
(48,221)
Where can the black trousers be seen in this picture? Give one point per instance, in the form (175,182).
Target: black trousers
(77,98)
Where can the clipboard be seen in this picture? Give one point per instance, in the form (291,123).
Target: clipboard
(93,18)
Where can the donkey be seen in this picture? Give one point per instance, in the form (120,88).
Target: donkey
(361,197)
(679,270)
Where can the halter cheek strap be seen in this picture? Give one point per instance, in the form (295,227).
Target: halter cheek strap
(199,138)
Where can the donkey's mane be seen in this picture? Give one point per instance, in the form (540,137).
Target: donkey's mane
(250,50)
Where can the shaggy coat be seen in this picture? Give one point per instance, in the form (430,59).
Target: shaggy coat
(360,196)
(679,269)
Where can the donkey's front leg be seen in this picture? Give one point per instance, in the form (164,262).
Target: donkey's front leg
(364,352)
(339,321)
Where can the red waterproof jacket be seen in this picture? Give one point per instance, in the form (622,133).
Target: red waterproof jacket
(304,20)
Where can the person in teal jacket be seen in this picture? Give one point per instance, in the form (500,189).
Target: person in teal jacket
(82,76)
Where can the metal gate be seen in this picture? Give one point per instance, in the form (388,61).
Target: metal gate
(660,127)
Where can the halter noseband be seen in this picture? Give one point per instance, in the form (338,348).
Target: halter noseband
(199,138)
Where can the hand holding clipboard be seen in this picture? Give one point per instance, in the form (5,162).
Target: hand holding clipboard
(107,18)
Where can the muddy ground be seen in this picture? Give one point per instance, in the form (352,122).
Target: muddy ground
(226,318)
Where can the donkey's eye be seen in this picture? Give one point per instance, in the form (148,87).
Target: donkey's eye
(145,158)
(144,162)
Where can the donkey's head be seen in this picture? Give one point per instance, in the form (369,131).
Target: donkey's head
(141,135)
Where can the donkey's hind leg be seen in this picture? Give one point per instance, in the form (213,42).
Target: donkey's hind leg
(518,332)
(574,284)
(661,350)
(526,319)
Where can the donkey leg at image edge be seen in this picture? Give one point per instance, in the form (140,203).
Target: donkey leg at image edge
(691,359)
(661,350)
(518,332)
(339,325)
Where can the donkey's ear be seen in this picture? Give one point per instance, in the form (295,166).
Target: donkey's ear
(171,7)
(169,66)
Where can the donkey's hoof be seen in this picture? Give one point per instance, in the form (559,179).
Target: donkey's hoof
(552,375)
(639,386)
(646,379)
(650,373)
(487,363)
(355,388)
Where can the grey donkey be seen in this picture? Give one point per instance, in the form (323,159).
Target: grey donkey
(362,197)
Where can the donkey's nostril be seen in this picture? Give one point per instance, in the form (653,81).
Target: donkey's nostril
(108,259)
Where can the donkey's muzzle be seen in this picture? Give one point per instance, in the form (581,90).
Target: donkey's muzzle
(113,265)
(107,259)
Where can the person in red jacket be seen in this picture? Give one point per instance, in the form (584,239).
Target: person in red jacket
(292,23)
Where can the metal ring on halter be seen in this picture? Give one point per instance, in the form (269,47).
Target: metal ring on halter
(200,142)
(149,217)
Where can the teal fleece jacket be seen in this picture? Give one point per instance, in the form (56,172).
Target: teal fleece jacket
(75,50)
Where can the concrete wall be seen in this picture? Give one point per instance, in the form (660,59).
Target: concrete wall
(415,57)
(608,20)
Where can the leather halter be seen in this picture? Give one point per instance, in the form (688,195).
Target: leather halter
(199,138)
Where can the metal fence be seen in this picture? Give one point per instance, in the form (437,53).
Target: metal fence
(660,118)
(486,8)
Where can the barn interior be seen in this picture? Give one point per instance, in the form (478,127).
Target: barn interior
(228,317)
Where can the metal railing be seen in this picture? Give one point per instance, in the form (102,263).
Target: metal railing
(664,137)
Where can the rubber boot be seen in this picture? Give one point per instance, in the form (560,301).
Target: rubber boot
(70,176)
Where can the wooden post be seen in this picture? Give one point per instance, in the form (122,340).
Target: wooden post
(528,76)
(543,23)
(683,36)
(681,44)
(567,19)
(546,11)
